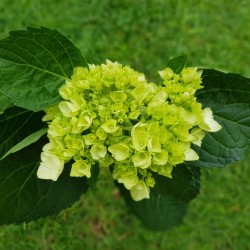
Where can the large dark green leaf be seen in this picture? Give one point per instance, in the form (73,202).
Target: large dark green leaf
(15,125)
(228,95)
(168,199)
(30,139)
(5,102)
(34,63)
(95,170)
(177,64)
(24,197)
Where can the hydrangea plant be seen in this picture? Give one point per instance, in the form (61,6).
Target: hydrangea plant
(112,116)
(64,119)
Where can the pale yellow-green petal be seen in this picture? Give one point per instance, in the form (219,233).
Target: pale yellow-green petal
(161,158)
(98,151)
(110,126)
(150,181)
(154,144)
(80,168)
(50,168)
(140,92)
(190,74)
(198,135)
(129,180)
(140,191)
(191,155)
(68,108)
(166,74)
(50,113)
(208,123)
(118,96)
(139,136)
(142,159)
(120,151)
(165,170)
(102,135)
(106,161)
(90,139)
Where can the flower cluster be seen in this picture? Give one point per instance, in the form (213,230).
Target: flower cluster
(111,115)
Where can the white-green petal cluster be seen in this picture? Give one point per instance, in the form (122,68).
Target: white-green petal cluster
(111,115)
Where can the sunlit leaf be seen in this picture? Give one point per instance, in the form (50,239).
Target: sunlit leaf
(34,63)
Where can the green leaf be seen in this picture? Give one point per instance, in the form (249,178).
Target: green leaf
(168,199)
(5,102)
(228,95)
(26,141)
(34,63)
(95,170)
(177,64)
(24,197)
(15,125)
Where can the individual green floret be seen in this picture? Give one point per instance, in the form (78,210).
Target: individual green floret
(119,151)
(112,116)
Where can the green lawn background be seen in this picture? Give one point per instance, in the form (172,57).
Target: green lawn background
(145,35)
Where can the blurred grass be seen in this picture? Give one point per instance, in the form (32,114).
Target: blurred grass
(145,34)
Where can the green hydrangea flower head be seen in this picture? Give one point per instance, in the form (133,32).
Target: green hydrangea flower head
(111,115)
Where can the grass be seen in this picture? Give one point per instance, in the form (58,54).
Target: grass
(144,34)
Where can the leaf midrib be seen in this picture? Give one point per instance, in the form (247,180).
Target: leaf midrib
(237,123)
(17,131)
(222,90)
(37,68)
